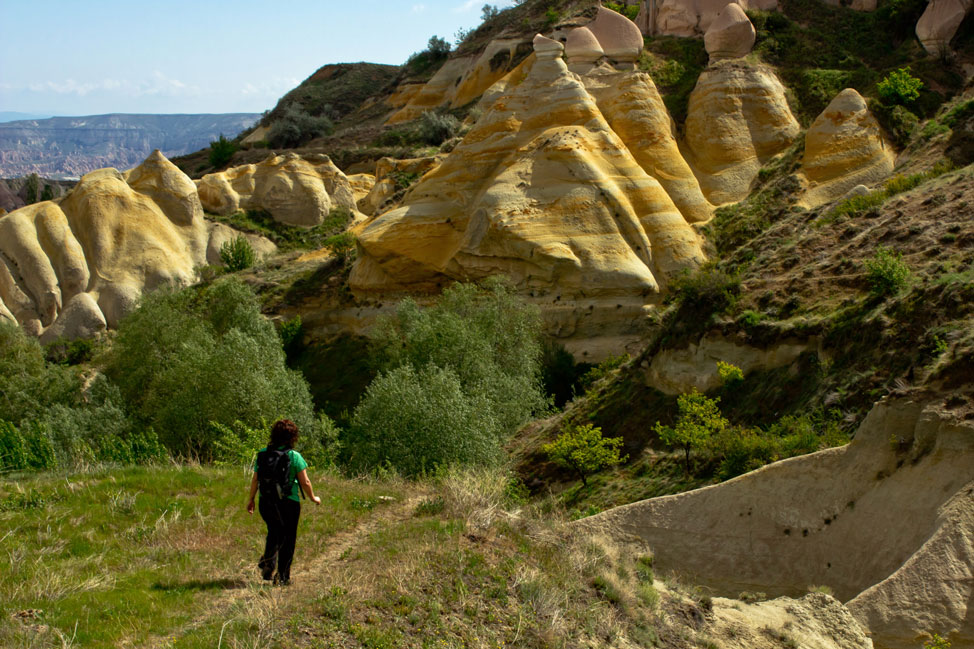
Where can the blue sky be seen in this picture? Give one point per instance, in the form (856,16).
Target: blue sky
(103,56)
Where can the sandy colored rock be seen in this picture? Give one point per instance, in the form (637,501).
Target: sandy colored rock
(582,50)
(219,234)
(694,367)
(939,23)
(70,267)
(631,104)
(737,119)
(619,37)
(294,190)
(731,35)
(259,134)
(694,17)
(81,318)
(543,192)
(389,173)
(497,60)
(885,521)
(361,185)
(438,91)
(844,147)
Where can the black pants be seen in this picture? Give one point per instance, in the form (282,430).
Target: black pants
(281,517)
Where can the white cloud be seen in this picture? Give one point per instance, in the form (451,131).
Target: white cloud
(418,9)
(467,6)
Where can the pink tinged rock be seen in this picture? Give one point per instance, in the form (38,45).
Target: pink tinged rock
(731,35)
(940,22)
(621,40)
(582,46)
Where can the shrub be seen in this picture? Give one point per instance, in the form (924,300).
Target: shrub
(435,128)
(730,374)
(489,12)
(30,189)
(418,420)
(237,254)
(342,245)
(741,450)
(479,348)
(438,47)
(28,384)
(699,418)
(886,272)
(47,193)
(707,291)
(295,127)
(629,11)
(603,369)
(583,450)
(221,151)
(936,642)
(291,332)
(899,88)
(204,354)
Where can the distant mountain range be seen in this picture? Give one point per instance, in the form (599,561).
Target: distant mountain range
(68,147)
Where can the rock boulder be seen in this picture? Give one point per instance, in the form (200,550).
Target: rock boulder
(939,23)
(731,35)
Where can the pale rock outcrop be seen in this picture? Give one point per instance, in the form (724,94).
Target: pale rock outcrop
(619,37)
(694,17)
(844,147)
(939,23)
(438,91)
(70,267)
(361,185)
(632,105)
(259,134)
(737,119)
(731,35)
(294,190)
(694,367)
(498,58)
(219,234)
(582,50)
(886,522)
(386,182)
(545,193)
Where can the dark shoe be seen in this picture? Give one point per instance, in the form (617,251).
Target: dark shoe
(282,581)
(266,570)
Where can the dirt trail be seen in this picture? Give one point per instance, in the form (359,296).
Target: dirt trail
(262,596)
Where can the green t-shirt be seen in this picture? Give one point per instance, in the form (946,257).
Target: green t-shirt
(297,466)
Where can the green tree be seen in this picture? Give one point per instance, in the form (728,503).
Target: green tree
(29,385)
(204,354)
(699,418)
(221,151)
(583,450)
(48,193)
(30,189)
(899,88)
(237,254)
(472,360)
(342,246)
(886,272)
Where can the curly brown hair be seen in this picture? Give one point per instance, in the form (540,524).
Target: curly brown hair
(284,432)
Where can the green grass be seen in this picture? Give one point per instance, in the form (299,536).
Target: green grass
(896,185)
(128,554)
(288,237)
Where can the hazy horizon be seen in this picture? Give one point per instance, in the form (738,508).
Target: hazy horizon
(193,58)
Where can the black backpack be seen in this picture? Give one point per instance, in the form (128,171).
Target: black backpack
(274,473)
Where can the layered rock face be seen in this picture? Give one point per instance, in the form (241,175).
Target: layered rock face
(389,173)
(69,268)
(294,190)
(737,119)
(887,522)
(460,81)
(844,147)
(544,192)
(939,23)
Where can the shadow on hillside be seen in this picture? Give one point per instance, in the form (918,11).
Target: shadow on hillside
(200,584)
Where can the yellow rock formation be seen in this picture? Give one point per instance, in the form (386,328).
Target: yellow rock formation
(294,190)
(544,192)
(694,17)
(70,267)
(844,147)
(361,185)
(737,119)
(386,182)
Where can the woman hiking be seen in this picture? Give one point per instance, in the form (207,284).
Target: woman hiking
(279,473)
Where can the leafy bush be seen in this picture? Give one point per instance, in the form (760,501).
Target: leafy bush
(438,46)
(342,245)
(418,420)
(480,345)
(886,272)
(698,420)
(937,642)
(291,332)
(583,450)
(204,354)
(899,88)
(603,369)
(295,127)
(707,291)
(30,189)
(730,374)
(28,384)
(629,11)
(237,254)
(489,12)
(221,151)
(740,450)
(24,450)
(435,128)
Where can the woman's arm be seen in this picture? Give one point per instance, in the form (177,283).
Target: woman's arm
(253,492)
(306,486)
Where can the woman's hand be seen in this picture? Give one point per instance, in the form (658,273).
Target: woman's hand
(316,499)
(250,506)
